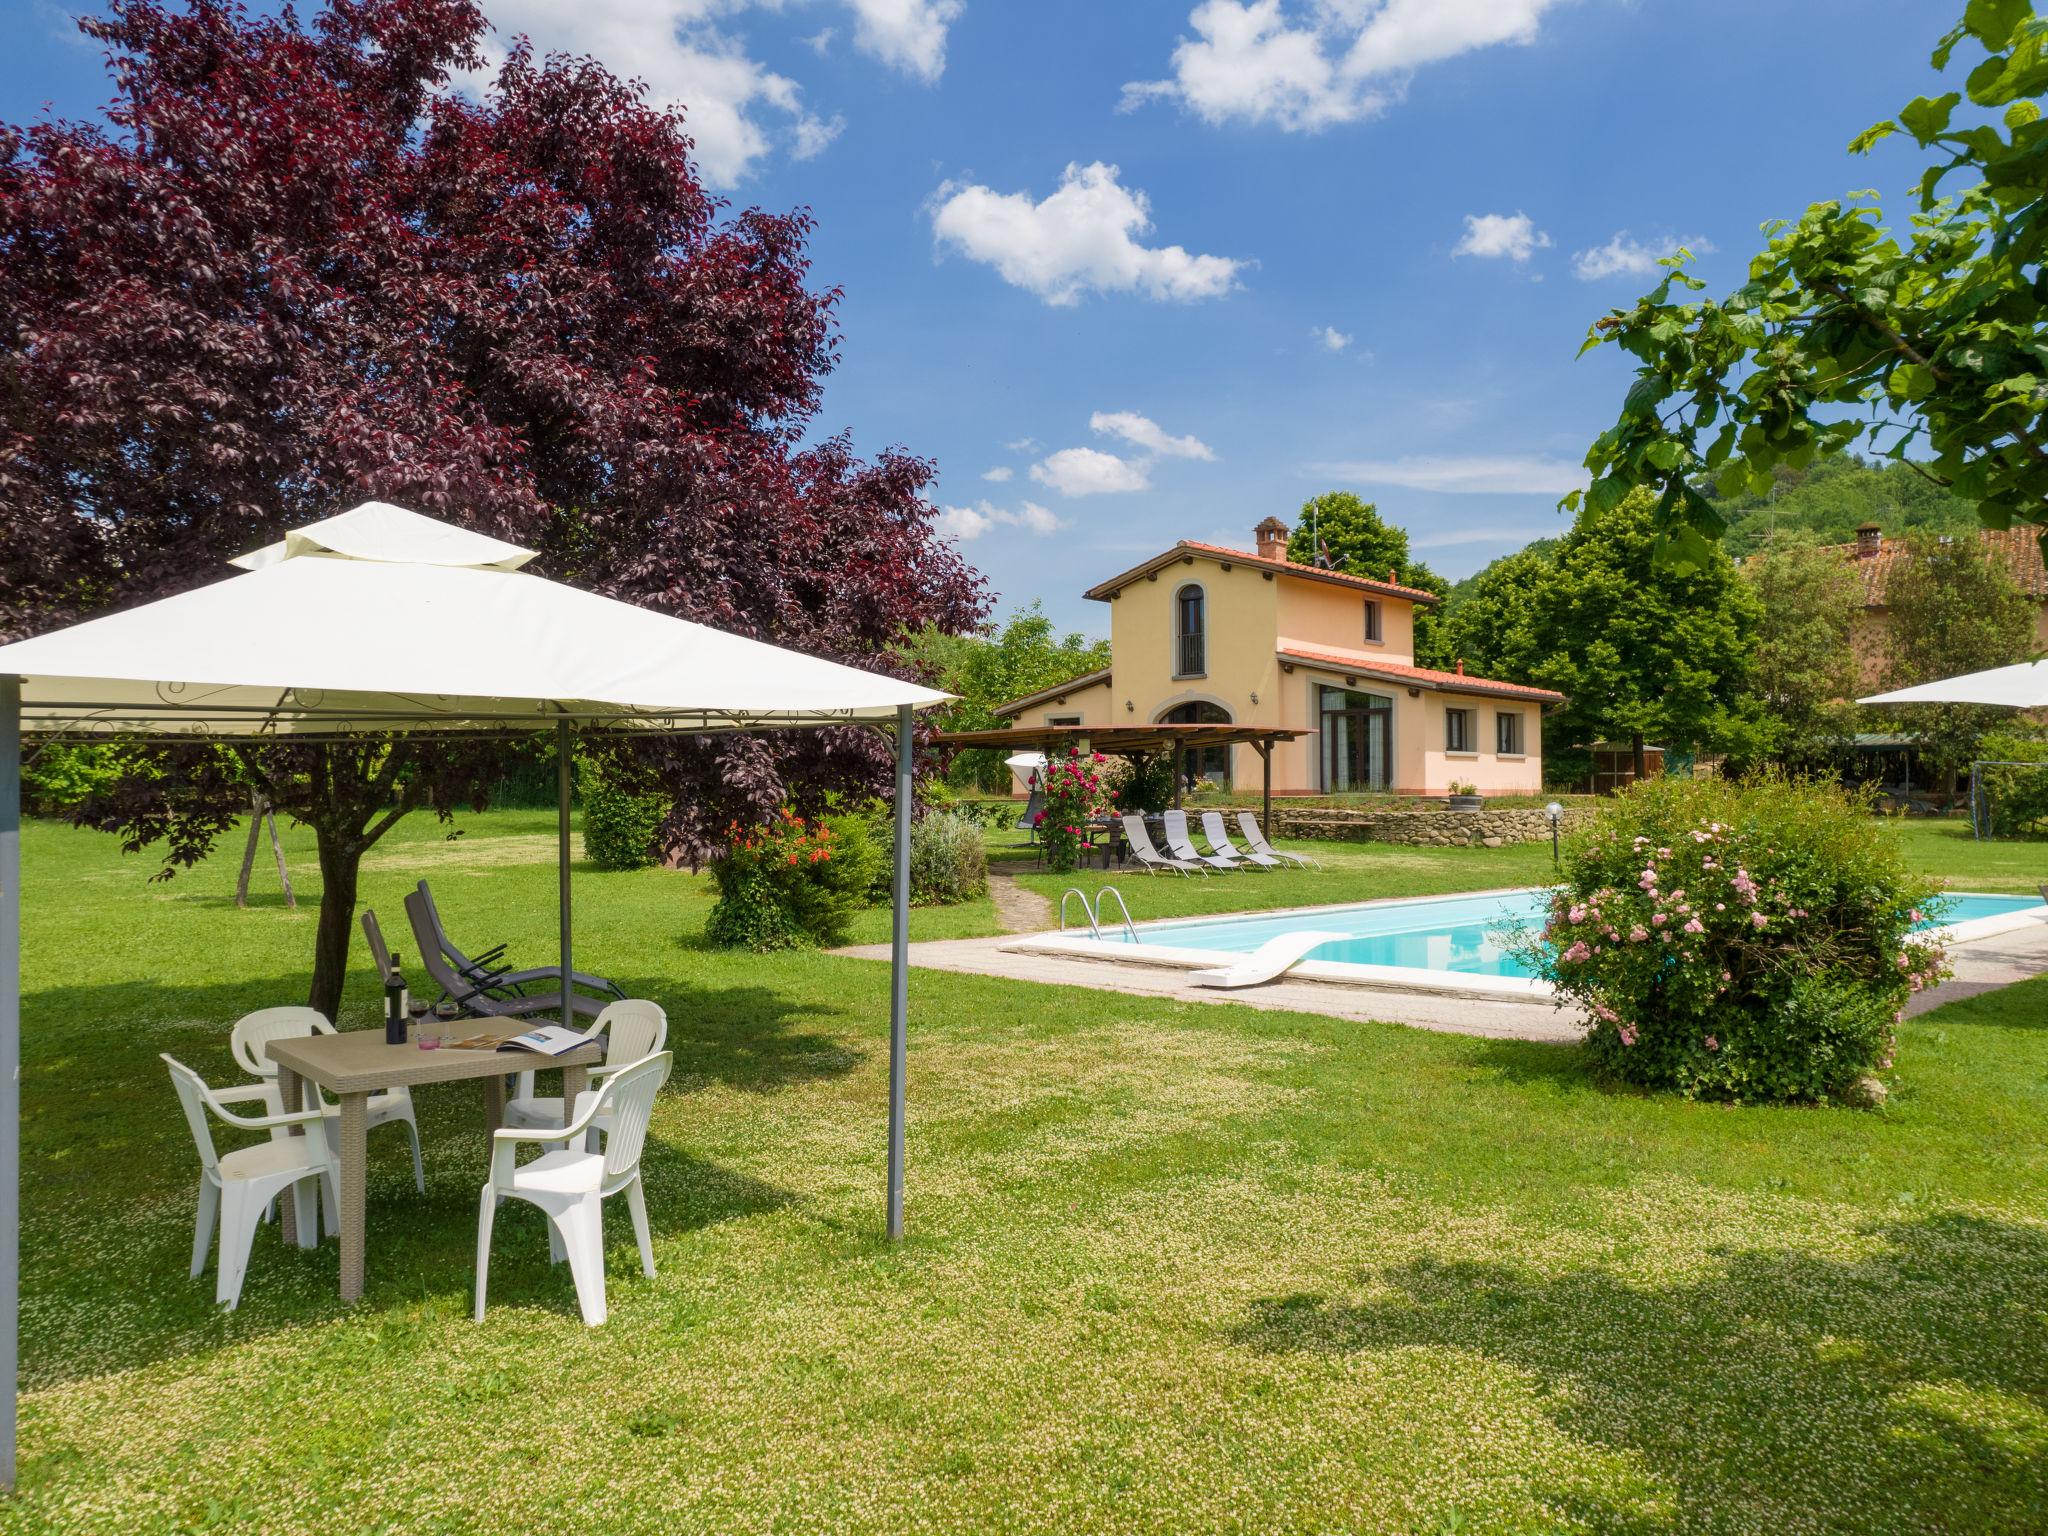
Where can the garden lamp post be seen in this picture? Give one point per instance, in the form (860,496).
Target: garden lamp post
(1556,814)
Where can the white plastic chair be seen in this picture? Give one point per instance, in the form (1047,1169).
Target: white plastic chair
(235,1187)
(255,1031)
(634,1030)
(570,1186)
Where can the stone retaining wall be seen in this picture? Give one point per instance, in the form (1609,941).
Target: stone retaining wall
(1434,828)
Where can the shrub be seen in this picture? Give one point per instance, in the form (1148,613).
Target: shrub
(1748,942)
(1074,792)
(791,883)
(619,825)
(2016,799)
(59,775)
(948,860)
(1143,785)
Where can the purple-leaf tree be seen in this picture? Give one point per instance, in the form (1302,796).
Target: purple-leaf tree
(293,269)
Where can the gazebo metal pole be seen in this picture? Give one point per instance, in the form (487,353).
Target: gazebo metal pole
(899,970)
(10,1066)
(562,753)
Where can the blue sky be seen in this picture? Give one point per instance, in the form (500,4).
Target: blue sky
(1161,269)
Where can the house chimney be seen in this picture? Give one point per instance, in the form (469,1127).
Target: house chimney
(1461,666)
(1272,539)
(1869,540)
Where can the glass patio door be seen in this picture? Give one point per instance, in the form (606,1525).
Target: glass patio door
(1358,741)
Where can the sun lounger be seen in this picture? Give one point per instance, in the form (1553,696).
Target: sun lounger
(1181,846)
(1271,960)
(485,971)
(1219,839)
(1255,840)
(477,997)
(1150,858)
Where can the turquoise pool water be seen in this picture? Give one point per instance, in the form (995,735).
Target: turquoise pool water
(1448,933)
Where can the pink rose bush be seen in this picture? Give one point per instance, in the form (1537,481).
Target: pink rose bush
(1754,942)
(1074,793)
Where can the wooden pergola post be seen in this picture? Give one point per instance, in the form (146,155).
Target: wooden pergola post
(1265,750)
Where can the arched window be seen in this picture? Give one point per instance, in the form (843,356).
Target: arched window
(1190,629)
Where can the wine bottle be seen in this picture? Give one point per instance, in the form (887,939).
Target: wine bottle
(394,1004)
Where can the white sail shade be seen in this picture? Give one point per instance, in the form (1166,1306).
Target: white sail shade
(2023,686)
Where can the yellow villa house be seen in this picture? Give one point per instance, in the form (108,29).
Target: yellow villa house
(1202,633)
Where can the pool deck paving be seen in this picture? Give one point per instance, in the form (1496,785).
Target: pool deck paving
(1980,965)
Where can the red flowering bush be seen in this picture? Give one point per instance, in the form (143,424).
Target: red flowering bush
(1751,942)
(1074,793)
(792,882)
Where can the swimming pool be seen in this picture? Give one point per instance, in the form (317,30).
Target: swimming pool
(1468,934)
(1436,943)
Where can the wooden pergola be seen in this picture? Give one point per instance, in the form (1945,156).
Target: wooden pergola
(1137,742)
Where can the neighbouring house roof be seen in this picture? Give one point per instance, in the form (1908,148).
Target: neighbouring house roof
(2019,548)
(1425,677)
(1188,549)
(1060,691)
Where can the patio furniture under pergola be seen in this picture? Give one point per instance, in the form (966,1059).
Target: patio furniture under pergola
(1137,741)
(382,621)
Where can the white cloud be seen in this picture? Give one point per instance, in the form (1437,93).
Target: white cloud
(1090,472)
(999,474)
(814,134)
(1143,432)
(909,35)
(1636,258)
(735,107)
(961,524)
(1478,474)
(1024,445)
(1493,235)
(1081,238)
(1326,62)
(1329,338)
(1460,536)
(820,42)
(686,60)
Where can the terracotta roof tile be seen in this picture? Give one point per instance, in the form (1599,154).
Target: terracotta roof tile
(1451,682)
(2019,548)
(1258,562)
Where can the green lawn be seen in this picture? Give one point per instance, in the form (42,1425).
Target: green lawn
(1171,1268)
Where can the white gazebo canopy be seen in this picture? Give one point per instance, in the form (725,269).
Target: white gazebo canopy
(383,621)
(2024,686)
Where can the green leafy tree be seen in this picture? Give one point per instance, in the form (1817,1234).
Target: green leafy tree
(1951,607)
(995,666)
(1487,610)
(1805,653)
(1929,342)
(1362,543)
(1642,650)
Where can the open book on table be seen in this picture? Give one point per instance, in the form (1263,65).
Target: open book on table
(548,1040)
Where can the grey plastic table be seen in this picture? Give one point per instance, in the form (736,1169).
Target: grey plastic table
(356,1063)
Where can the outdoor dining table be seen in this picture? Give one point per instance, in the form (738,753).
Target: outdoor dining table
(356,1063)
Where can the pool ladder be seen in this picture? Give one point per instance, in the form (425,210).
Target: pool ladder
(1094,913)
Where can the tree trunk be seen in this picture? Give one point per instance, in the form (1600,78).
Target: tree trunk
(1639,763)
(341,860)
